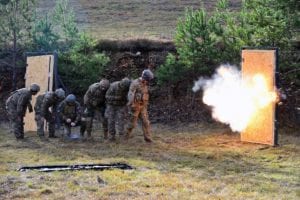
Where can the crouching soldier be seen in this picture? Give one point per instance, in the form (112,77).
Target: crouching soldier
(94,100)
(16,106)
(45,109)
(138,98)
(116,100)
(69,111)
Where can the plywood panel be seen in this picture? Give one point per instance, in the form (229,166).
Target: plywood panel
(39,70)
(261,128)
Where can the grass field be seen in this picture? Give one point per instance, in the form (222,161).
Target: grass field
(198,161)
(119,19)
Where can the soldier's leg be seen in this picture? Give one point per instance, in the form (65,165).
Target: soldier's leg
(120,120)
(51,124)
(110,115)
(12,114)
(104,122)
(89,126)
(133,118)
(67,130)
(18,126)
(145,124)
(82,126)
(40,125)
(89,120)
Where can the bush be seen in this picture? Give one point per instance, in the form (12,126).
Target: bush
(82,65)
(205,41)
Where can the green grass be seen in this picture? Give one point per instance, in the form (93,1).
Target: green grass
(196,161)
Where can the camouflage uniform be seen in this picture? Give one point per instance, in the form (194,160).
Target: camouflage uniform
(38,116)
(94,100)
(69,111)
(116,100)
(41,108)
(16,106)
(138,98)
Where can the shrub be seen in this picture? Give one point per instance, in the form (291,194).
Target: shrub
(82,65)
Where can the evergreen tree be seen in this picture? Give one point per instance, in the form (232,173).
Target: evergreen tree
(15,25)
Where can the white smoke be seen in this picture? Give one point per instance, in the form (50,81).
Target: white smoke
(225,92)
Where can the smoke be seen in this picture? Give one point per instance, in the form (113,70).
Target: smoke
(234,100)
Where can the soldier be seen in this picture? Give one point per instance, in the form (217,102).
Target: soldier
(116,100)
(138,98)
(69,111)
(16,106)
(42,111)
(94,100)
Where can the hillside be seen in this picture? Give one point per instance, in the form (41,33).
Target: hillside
(119,19)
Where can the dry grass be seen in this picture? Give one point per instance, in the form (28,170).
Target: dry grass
(200,161)
(119,19)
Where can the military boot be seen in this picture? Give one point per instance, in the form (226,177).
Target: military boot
(148,139)
(52,135)
(105,135)
(112,138)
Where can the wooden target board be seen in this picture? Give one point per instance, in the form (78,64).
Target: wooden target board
(261,128)
(39,70)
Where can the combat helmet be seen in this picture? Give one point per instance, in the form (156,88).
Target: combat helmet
(104,84)
(125,83)
(147,75)
(34,88)
(71,99)
(60,93)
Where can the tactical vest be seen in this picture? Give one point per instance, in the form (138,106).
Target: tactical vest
(141,92)
(94,95)
(116,95)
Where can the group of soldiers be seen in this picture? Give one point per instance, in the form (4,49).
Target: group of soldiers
(111,100)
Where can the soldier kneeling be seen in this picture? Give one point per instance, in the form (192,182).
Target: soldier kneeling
(69,111)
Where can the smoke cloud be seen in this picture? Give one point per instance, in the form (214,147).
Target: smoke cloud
(234,100)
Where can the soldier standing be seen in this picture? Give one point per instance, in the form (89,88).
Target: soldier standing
(94,100)
(69,111)
(16,106)
(138,97)
(116,100)
(45,109)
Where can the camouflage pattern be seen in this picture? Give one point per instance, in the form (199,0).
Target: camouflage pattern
(138,97)
(116,120)
(45,108)
(94,100)
(16,106)
(116,99)
(38,118)
(69,111)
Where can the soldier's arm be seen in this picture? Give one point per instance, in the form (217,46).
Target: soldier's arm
(131,93)
(29,105)
(44,107)
(23,102)
(59,111)
(37,104)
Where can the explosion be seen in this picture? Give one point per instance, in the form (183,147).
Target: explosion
(234,99)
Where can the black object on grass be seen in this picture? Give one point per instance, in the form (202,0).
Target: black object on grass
(51,168)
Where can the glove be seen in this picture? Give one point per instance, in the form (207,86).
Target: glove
(68,120)
(73,124)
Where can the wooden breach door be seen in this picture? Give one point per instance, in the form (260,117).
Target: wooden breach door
(262,128)
(39,70)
